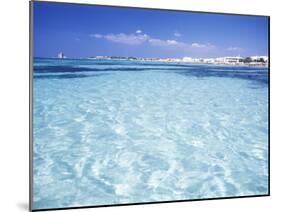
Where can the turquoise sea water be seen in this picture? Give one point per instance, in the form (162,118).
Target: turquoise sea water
(113,132)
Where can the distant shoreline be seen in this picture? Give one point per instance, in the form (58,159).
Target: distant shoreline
(157,60)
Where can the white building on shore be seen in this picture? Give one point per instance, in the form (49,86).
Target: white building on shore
(191,60)
(233,60)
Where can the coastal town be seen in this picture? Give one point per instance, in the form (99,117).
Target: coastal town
(234,60)
(260,61)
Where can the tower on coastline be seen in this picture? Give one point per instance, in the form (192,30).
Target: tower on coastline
(61,55)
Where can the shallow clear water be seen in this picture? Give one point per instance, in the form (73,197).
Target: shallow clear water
(112,132)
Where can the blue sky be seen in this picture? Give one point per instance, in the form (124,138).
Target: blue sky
(83,31)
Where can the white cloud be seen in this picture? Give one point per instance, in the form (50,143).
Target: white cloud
(130,39)
(138,38)
(172,42)
(202,46)
(96,35)
(156,42)
(234,49)
(198,45)
(165,43)
(177,34)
